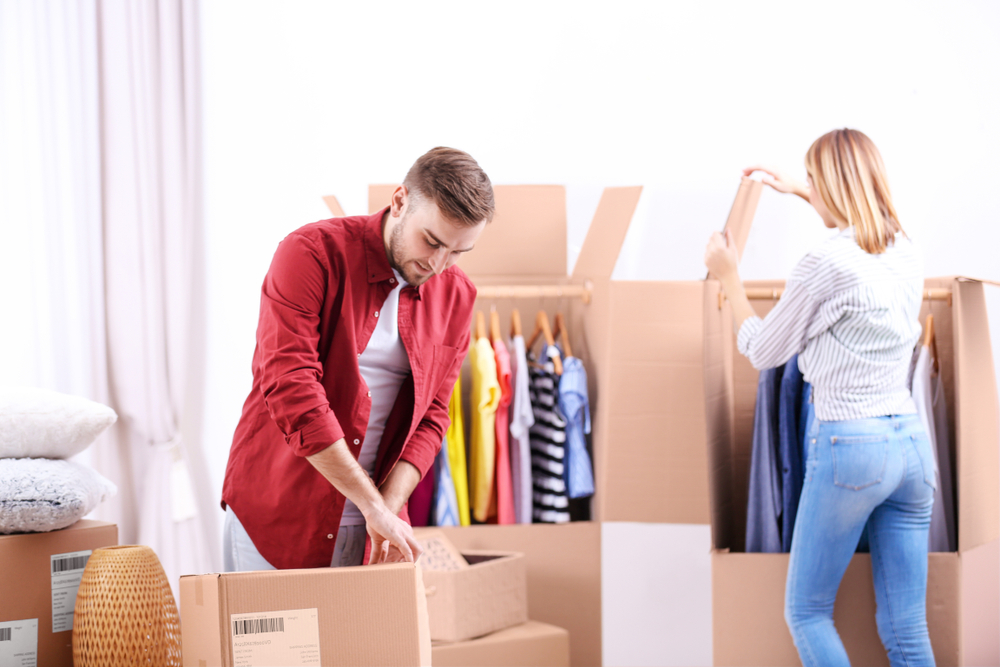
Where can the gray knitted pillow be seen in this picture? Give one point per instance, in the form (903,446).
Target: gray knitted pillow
(39,495)
(46,424)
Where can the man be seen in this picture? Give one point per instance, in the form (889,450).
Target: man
(364,322)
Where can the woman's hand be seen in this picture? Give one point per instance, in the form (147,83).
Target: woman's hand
(721,258)
(780,181)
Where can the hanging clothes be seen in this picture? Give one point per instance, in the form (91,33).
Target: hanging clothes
(942,442)
(521,420)
(764,501)
(942,529)
(445,499)
(455,439)
(790,439)
(504,484)
(574,403)
(548,444)
(485,399)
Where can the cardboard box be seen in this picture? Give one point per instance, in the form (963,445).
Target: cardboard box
(42,573)
(473,593)
(563,563)
(532,644)
(369,615)
(963,597)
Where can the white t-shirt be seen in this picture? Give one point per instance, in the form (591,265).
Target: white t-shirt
(384,366)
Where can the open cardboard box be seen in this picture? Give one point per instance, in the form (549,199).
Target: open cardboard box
(963,598)
(471,593)
(367,615)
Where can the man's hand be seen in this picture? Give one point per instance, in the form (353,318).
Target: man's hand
(392,538)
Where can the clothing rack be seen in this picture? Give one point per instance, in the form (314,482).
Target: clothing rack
(536,291)
(763,293)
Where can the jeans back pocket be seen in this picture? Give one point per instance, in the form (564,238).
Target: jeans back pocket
(928,462)
(859,460)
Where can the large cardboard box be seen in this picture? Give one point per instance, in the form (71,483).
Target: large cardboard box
(644,367)
(963,598)
(532,644)
(368,615)
(41,575)
(471,593)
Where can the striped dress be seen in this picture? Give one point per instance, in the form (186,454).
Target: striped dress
(548,445)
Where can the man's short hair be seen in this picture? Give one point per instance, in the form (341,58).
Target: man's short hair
(454,181)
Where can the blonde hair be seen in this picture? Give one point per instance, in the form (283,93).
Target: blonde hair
(847,171)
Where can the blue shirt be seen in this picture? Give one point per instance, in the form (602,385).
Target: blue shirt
(574,402)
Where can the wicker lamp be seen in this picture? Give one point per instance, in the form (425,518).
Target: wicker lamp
(125,613)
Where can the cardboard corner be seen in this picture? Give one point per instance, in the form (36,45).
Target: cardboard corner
(334,205)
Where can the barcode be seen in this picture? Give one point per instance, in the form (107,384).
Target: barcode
(253,626)
(67,564)
(5,634)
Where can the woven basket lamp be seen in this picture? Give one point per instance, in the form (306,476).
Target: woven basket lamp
(125,613)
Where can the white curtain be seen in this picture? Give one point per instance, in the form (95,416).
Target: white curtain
(103,232)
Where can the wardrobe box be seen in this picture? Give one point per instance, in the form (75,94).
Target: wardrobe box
(644,369)
(963,594)
(471,593)
(531,644)
(41,575)
(367,615)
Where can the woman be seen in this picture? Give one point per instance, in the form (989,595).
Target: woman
(850,310)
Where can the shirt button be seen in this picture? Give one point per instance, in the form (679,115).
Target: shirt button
(330,536)
(369,394)
(357,442)
(392,280)
(376,313)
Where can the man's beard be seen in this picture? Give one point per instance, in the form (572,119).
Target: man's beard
(396,259)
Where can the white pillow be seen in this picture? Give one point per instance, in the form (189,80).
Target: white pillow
(39,495)
(47,424)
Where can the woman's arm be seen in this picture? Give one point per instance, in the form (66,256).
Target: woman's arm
(780,181)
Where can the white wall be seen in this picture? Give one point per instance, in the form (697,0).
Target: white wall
(310,97)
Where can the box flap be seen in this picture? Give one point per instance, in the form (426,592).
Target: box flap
(335,208)
(612,218)
(526,237)
(741,214)
(977,417)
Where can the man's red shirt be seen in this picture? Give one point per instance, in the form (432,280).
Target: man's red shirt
(319,305)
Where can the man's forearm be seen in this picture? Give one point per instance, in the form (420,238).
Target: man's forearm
(337,465)
(399,485)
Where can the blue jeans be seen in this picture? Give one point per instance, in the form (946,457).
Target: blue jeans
(878,471)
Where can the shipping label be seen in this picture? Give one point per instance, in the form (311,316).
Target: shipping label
(19,643)
(270,639)
(67,571)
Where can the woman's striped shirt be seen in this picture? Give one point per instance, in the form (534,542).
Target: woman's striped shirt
(853,319)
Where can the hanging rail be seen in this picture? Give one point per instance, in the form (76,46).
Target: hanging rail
(763,293)
(536,291)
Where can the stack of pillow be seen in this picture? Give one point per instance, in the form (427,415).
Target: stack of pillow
(40,490)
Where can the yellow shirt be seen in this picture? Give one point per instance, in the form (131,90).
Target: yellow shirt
(485,399)
(456,453)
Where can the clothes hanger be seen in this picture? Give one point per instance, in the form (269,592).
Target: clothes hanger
(495,335)
(563,333)
(542,328)
(515,323)
(480,325)
(930,340)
